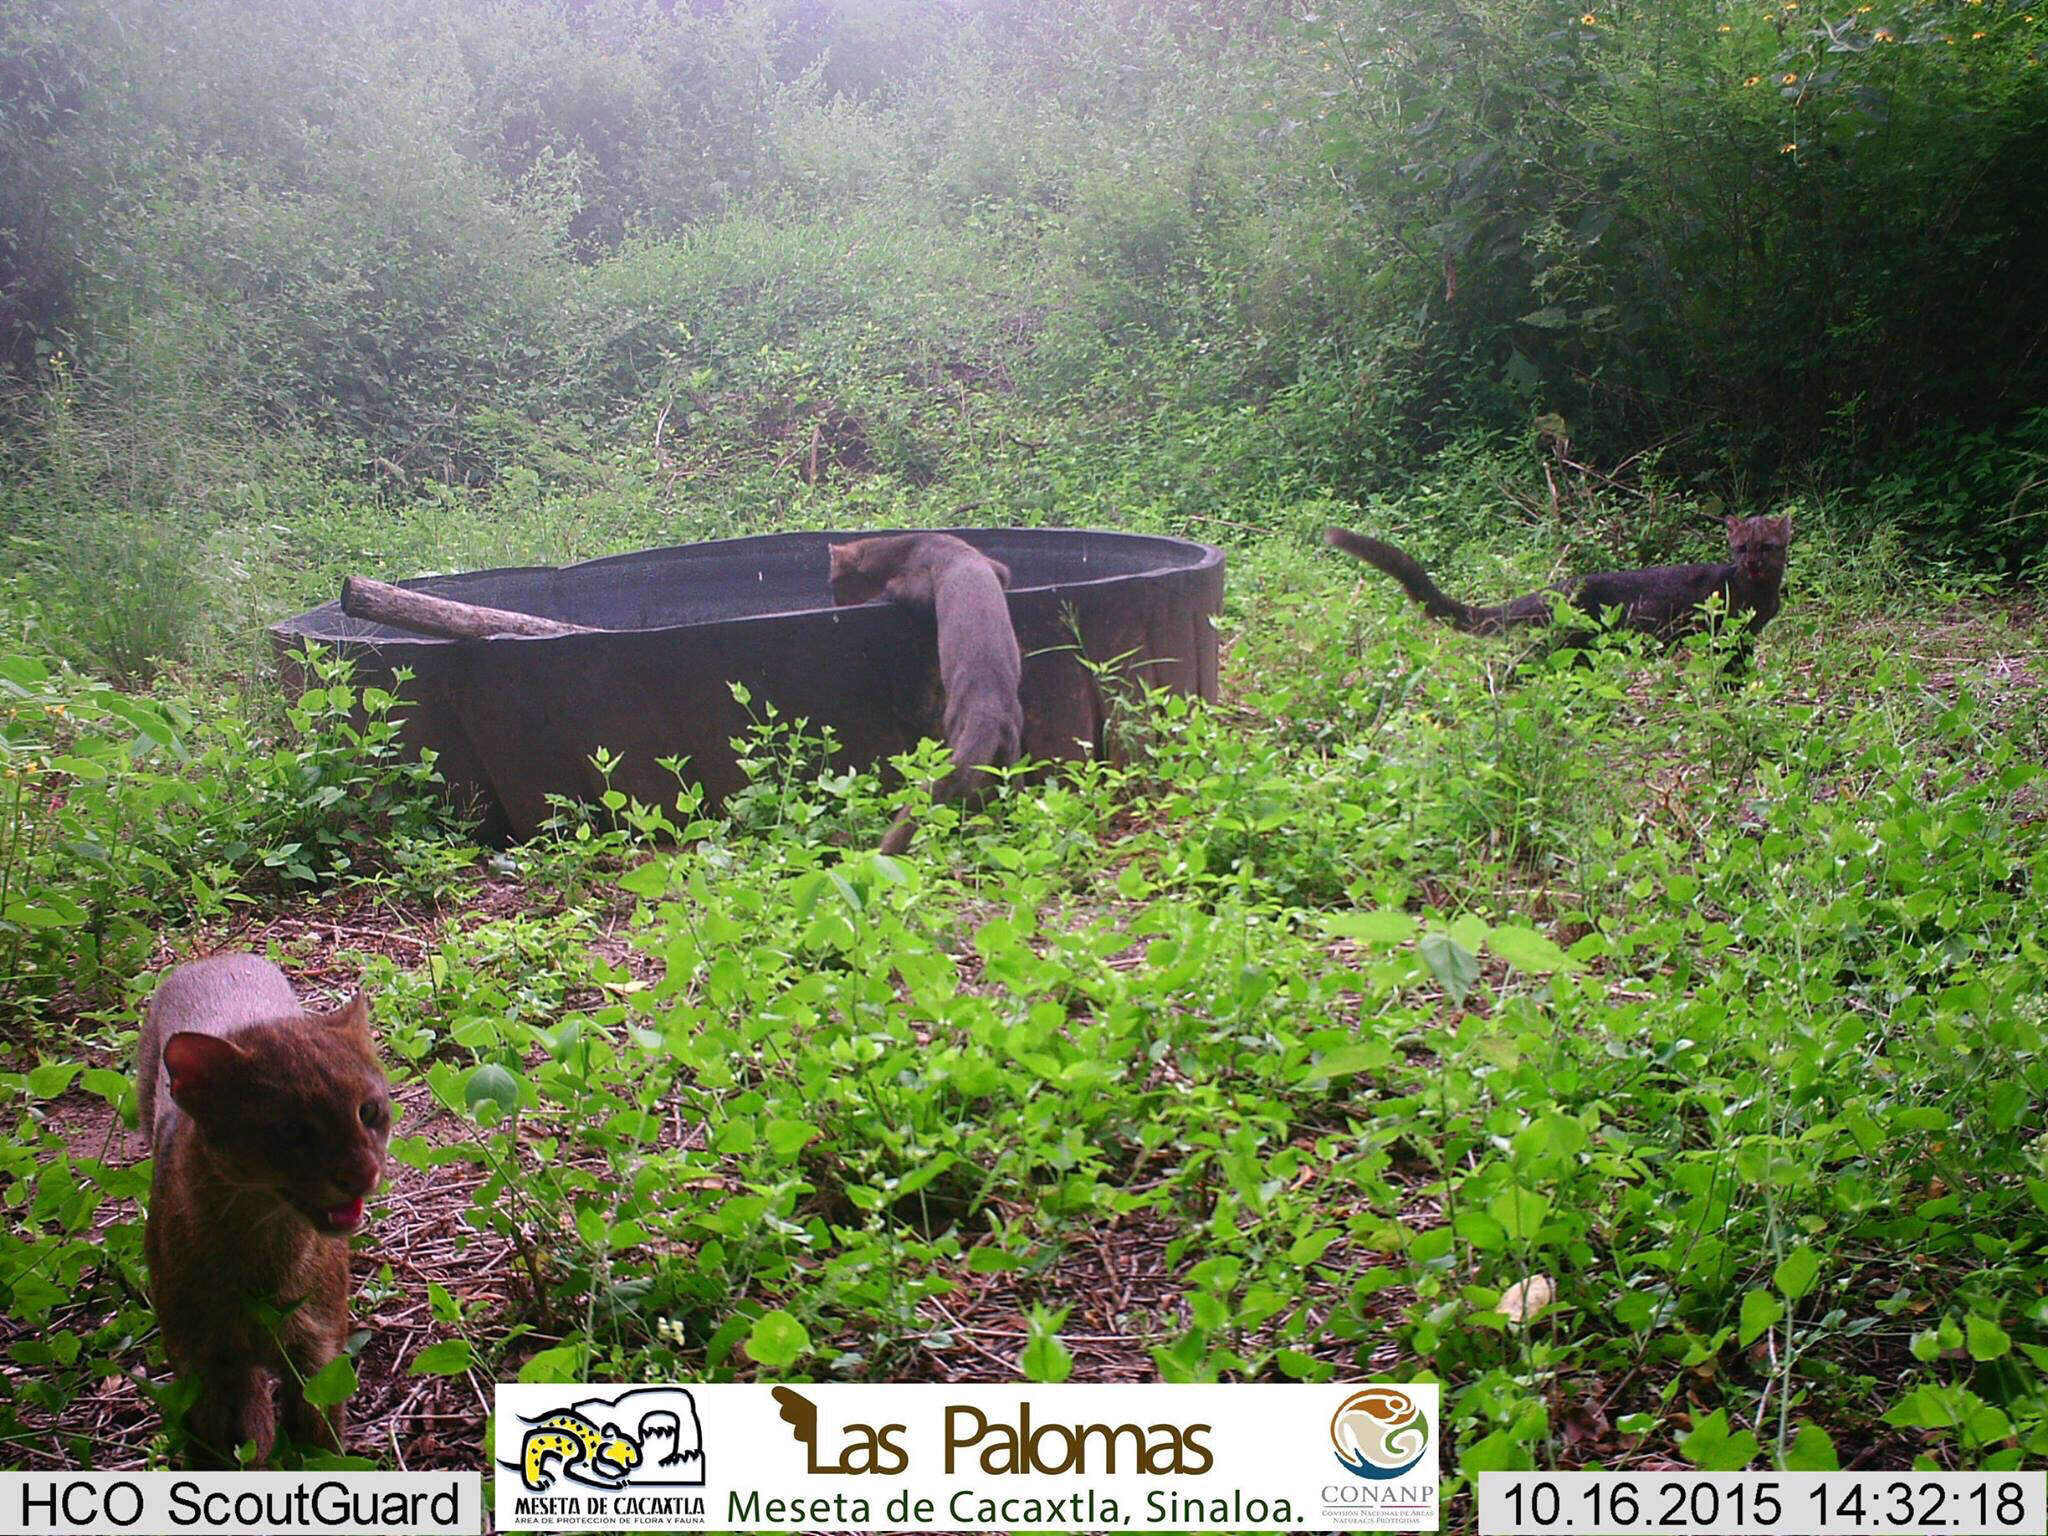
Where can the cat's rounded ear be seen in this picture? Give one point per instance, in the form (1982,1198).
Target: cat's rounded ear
(841,557)
(1733,522)
(353,1015)
(200,1067)
(1002,572)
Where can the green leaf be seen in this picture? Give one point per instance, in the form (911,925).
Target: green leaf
(442,1303)
(1455,967)
(1796,1275)
(1362,1056)
(1297,1366)
(1760,1309)
(24,672)
(52,909)
(1709,1446)
(1310,1247)
(1527,950)
(112,1086)
(989,1260)
(334,1382)
(1497,1452)
(563,1363)
(1380,928)
(649,879)
(1985,1425)
(777,1340)
(924,1173)
(1811,1451)
(146,719)
(50,1078)
(786,1138)
(449,1357)
(1046,1358)
(1433,1244)
(1923,1408)
(1986,1340)
(1480,1230)
(1519,1211)
(491,1084)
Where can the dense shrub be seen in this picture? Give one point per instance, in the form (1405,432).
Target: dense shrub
(1763,245)
(1755,233)
(117,811)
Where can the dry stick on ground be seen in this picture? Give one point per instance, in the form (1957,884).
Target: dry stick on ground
(403,608)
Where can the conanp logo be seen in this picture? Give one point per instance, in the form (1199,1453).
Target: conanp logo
(1379,1432)
(645,1438)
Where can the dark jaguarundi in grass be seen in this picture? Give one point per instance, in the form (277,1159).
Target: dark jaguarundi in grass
(1662,600)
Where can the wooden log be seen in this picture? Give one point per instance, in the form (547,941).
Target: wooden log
(403,608)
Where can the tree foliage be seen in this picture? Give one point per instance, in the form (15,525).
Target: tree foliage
(1757,240)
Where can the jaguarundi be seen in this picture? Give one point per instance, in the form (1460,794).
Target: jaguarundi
(1662,600)
(268,1125)
(979,663)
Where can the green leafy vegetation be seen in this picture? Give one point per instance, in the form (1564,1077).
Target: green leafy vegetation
(1653,1058)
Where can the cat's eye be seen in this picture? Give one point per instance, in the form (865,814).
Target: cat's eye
(371,1114)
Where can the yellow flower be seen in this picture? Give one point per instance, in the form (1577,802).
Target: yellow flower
(1724,27)
(1753,79)
(1865,10)
(1788,78)
(1589,20)
(1786,149)
(1975,35)
(1884,34)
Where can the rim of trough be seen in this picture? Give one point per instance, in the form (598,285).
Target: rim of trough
(384,634)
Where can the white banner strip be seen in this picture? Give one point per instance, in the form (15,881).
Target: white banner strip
(232,1503)
(844,1457)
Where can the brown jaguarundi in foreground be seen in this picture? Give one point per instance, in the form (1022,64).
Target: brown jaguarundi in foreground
(979,663)
(1662,600)
(268,1126)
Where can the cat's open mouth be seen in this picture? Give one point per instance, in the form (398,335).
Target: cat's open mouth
(340,1218)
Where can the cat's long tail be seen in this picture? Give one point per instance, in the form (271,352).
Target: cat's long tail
(1413,578)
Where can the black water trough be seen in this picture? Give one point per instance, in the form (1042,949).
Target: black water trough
(515,720)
